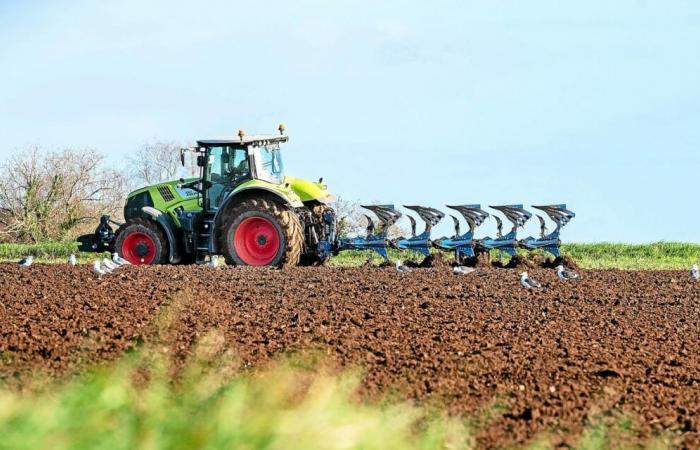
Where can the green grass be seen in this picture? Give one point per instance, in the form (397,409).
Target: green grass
(46,252)
(656,256)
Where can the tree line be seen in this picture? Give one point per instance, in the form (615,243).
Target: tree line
(57,195)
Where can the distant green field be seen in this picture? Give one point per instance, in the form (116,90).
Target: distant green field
(656,256)
(46,252)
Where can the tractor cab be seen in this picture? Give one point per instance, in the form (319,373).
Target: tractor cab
(225,164)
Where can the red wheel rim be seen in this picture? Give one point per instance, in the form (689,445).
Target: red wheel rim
(256,241)
(139,248)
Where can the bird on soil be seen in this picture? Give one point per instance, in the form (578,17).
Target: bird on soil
(529,283)
(213,261)
(97,268)
(26,261)
(119,260)
(72,261)
(105,269)
(564,274)
(109,264)
(400,267)
(462,270)
(694,272)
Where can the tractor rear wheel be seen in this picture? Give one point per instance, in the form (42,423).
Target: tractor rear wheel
(141,242)
(261,232)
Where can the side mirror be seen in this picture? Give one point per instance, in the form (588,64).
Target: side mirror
(201,161)
(182,157)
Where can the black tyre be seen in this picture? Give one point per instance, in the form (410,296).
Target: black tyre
(141,242)
(261,232)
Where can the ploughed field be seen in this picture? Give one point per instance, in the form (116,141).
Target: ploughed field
(539,362)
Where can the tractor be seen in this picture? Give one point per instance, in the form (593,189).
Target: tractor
(241,206)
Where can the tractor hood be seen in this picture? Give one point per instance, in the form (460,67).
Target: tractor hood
(310,190)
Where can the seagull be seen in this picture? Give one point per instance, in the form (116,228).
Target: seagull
(213,261)
(694,272)
(71,260)
(109,264)
(119,260)
(400,267)
(26,261)
(564,274)
(463,270)
(97,268)
(529,283)
(105,268)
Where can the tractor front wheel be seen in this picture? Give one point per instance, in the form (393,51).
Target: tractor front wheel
(261,232)
(141,242)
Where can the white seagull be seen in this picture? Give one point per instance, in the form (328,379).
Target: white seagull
(105,269)
(119,260)
(26,261)
(463,270)
(97,268)
(72,261)
(564,274)
(400,267)
(213,261)
(109,264)
(694,272)
(529,283)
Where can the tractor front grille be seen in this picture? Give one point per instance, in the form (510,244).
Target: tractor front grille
(166,193)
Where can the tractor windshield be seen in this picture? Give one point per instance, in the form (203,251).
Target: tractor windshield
(268,163)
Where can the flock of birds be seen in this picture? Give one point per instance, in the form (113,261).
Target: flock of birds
(106,266)
(527,281)
(99,267)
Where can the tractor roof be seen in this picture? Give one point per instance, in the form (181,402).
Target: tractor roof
(260,139)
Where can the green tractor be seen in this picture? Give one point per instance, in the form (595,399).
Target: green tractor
(242,206)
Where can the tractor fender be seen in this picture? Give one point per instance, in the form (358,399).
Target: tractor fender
(168,227)
(247,192)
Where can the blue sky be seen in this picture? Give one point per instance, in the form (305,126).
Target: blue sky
(595,104)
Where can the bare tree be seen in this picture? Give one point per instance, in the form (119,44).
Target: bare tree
(159,161)
(56,195)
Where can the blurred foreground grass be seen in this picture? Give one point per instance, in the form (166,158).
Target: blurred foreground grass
(656,256)
(135,404)
(129,407)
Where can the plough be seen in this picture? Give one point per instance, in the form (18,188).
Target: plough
(464,245)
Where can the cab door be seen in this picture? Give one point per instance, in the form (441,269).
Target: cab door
(226,168)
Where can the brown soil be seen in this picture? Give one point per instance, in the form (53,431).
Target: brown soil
(613,340)
(435,260)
